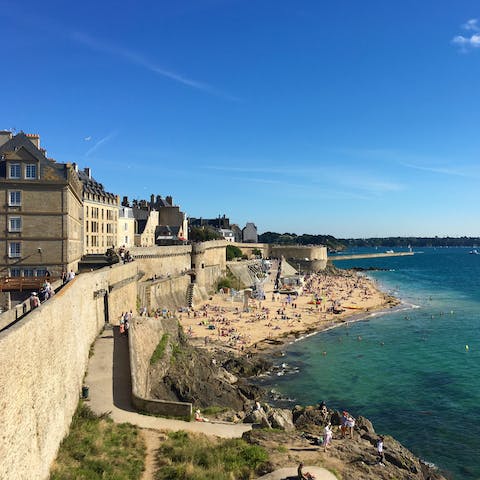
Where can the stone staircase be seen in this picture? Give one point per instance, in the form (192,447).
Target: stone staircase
(190,291)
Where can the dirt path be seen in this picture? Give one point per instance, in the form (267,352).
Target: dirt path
(152,443)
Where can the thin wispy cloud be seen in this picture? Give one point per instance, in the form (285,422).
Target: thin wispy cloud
(471,25)
(136,58)
(468,42)
(455,172)
(359,185)
(426,163)
(100,142)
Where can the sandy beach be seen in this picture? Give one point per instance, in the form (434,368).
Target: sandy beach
(222,322)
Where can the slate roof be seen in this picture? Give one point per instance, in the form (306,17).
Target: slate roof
(90,185)
(166,231)
(21,140)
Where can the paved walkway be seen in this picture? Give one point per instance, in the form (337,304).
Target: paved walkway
(109,383)
(291,474)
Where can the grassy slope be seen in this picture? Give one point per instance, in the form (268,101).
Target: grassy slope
(97,448)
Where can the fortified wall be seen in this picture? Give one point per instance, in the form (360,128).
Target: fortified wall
(209,262)
(306,258)
(162,260)
(44,357)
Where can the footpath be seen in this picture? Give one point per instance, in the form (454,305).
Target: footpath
(109,382)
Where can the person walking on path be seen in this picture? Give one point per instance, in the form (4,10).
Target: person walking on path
(34,301)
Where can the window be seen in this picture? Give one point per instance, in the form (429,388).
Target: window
(15,224)
(15,170)
(31,172)
(14,198)
(41,272)
(28,272)
(15,272)
(125,241)
(14,250)
(125,226)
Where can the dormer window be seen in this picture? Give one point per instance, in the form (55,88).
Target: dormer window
(31,172)
(14,170)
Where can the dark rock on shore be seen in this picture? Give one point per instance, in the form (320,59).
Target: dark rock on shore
(191,374)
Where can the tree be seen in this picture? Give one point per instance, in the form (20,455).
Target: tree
(203,234)
(233,252)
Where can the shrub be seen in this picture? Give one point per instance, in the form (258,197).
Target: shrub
(233,252)
(224,283)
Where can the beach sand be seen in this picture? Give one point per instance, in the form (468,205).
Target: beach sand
(221,322)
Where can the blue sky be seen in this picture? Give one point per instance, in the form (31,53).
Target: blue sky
(348,118)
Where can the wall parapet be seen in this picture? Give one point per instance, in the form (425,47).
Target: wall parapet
(160,251)
(204,246)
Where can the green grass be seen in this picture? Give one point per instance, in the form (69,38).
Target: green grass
(160,349)
(98,449)
(186,456)
(213,410)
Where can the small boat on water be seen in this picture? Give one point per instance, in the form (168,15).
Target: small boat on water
(474,252)
(389,251)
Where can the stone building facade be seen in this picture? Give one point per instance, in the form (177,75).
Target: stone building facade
(249,233)
(146,224)
(100,213)
(41,213)
(126,227)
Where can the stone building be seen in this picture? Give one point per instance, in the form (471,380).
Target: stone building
(146,224)
(237,233)
(101,210)
(249,233)
(41,212)
(126,227)
(171,223)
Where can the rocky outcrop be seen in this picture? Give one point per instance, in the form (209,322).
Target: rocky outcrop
(189,374)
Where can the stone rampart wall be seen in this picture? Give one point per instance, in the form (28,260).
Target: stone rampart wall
(299,251)
(162,260)
(144,336)
(44,357)
(165,293)
(209,259)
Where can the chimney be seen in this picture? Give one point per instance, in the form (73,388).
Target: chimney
(169,200)
(152,199)
(5,136)
(34,138)
(88,172)
(75,166)
(125,202)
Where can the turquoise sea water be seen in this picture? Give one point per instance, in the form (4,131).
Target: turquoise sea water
(409,371)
